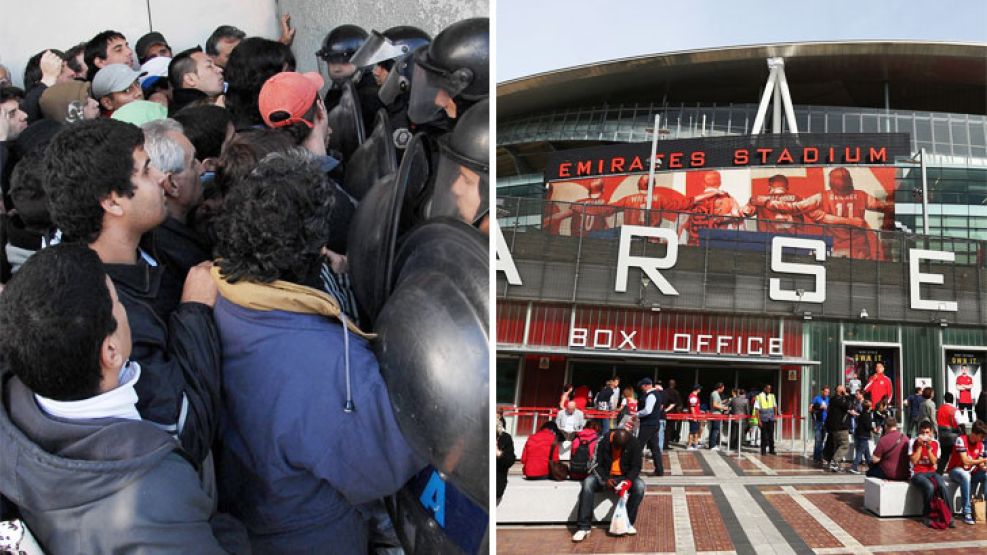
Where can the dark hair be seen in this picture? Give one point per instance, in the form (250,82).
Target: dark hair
(778,177)
(298,131)
(181,65)
(925,425)
(592,425)
(72,53)
(11,93)
(550,425)
(32,71)
(222,32)
(251,64)
(979,428)
(718,385)
(927,393)
(205,127)
(244,152)
(54,315)
(96,48)
(28,194)
(273,225)
(948,397)
(85,162)
(890,422)
(621,438)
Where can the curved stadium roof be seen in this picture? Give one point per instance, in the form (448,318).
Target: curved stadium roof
(921,75)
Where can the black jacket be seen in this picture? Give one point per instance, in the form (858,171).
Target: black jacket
(631,460)
(865,425)
(836,415)
(178,348)
(177,247)
(504,462)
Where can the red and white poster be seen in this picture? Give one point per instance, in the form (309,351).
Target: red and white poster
(846,205)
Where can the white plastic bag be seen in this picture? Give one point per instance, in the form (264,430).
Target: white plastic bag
(620,521)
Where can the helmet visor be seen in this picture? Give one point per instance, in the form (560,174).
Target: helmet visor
(398,81)
(460,190)
(433,89)
(377,49)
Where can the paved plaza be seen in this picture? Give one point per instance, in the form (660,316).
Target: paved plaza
(716,503)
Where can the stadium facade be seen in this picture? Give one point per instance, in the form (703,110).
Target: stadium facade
(791,237)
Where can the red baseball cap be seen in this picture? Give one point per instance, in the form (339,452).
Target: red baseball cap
(290,93)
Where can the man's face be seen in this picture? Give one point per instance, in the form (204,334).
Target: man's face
(156,50)
(146,209)
(11,111)
(712,180)
(224,47)
(340,71)
(570,407)
(466,189)
(879,368)
(114,101)
(825,392)
(964,369)
(380,74)
(188,188)
(208,77)
(117,52)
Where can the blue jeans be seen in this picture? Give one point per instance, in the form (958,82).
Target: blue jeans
(861,447)
(922,481)
(591,485)
(964,479)
(604,426)
(714,433)
(820,433)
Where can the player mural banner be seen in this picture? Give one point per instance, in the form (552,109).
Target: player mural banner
(844,205)
(964,378)
(860,372)
(837,187)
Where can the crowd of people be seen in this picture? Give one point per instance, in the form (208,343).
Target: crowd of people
(215,278)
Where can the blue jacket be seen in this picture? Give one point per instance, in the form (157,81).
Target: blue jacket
(295,466)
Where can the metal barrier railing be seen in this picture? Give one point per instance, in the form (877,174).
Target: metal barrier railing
(550,413)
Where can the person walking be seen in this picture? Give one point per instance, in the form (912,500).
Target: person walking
(716,408)
(861,437)
(767,410)
(652,419)
(838,426)
(820,403)
(675,405)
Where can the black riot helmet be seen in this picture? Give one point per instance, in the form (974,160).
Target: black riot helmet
(341,43)
(389,45)
(398,80)
(456,65)
(460,188)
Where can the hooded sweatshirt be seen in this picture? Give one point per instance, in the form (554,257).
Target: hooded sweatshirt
(103,486)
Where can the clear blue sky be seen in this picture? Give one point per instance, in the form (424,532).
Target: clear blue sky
(534,36)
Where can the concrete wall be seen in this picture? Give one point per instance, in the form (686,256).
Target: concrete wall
(313,19)
(26,28)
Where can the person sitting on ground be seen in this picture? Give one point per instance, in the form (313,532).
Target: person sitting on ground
(103,191)
(505,456)
(923,452)
(968,467)
(948,429)
(88,474)
(587,436)
(537,449)
(861,436)
(619,460)
(327,440)
(890,459)
(570,421)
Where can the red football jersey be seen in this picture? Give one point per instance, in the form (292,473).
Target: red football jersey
(966,395)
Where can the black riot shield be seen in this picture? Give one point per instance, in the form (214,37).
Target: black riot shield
(432,347)
(346,122)
(372,160)
(377,224)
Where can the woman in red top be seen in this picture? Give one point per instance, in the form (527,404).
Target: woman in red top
(924,454)
(534,458)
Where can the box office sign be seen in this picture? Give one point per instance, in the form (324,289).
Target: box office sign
(681,342)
